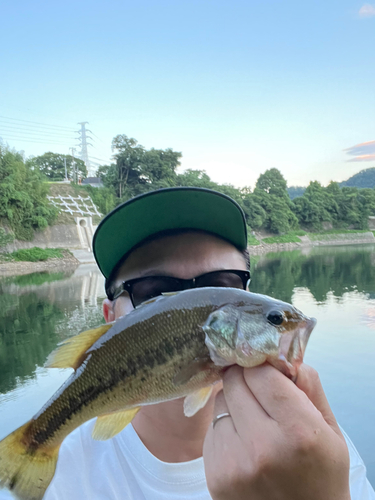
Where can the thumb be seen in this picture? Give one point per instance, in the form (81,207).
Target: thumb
(309,382)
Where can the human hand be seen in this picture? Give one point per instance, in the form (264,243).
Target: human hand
(281,442)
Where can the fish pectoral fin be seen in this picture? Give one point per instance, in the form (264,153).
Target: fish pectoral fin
(194,402)
(71,352)
(110,424)
(188,372)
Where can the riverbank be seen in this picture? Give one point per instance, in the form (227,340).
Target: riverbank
(69,262)
(66,263)
(313,240)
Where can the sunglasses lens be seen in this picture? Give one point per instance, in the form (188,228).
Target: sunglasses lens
(221,279)
(148,288)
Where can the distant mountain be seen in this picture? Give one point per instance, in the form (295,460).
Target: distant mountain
(364,179)
(295,191)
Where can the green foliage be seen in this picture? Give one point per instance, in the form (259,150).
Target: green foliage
(270,195)
(36,254)
(284,238)
(343,208)
(52,165)
(337,234)
(104,198)
(270,207)
(5,237)
(317,205)
(138,170)
(23,196)
(273,183)
(251,240)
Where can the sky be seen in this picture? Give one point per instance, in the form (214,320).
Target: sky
(237,86)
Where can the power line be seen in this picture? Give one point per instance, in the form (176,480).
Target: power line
(100,159)
(33,139)
(98,138)
(15,130)
(37,123)
(27,127)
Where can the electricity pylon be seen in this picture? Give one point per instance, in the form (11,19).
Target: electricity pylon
(83,145)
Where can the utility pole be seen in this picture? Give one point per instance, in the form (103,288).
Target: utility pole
(66,172)
(83,145)
(73,164)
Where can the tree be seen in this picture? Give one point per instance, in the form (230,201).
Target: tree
(23,196)
(255,214)
(317,205)
(272,196)
(52,165)
(138,170)
(195,178)
(273,183)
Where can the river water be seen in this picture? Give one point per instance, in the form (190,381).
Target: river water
(335,285)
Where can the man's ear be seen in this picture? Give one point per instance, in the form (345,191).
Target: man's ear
(108,310)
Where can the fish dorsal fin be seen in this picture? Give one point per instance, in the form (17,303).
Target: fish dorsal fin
(149,301)
(197,400)
(110,424)
(154,299)
(71,352)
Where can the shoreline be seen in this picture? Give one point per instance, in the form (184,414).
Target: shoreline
(306,243)
(67,263)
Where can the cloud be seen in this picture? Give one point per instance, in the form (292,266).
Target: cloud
(367,10)
(362,152)
(363,158)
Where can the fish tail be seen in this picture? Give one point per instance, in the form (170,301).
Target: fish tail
(24,470)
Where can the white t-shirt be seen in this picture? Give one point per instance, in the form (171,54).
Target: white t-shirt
(123,469)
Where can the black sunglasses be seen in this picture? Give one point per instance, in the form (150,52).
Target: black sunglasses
(142,289)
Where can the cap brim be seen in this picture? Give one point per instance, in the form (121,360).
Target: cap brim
(165,209)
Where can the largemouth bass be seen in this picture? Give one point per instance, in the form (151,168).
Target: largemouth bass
(171,347)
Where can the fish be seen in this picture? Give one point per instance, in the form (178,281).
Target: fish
(173,346)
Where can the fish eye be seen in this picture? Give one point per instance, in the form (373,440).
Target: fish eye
(275,318)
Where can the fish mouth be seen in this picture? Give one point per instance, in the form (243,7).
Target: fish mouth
(292,349)
(305,332)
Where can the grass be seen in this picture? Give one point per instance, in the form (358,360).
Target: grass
(335,234)
(35,254)
(284,238)
(299,232)
(251,240)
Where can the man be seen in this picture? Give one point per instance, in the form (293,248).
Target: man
(271,439)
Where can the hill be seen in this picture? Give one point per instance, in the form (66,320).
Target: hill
(295,191)
(364,179)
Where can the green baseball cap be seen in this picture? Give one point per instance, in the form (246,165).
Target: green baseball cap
(165,209)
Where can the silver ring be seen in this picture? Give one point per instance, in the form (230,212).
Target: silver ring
(218,417)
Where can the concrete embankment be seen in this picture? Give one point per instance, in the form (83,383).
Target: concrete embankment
(74,237)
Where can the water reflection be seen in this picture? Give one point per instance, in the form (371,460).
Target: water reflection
(336,285)
(322,271)
(39,310)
